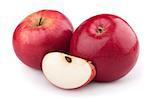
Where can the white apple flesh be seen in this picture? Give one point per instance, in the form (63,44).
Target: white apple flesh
(66,71)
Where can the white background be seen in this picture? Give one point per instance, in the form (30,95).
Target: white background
(19,83)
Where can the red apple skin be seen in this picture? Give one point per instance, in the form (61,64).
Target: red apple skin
(109,42)
(33,38)
(92,75)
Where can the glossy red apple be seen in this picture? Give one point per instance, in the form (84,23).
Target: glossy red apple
(109,42)
(39,33)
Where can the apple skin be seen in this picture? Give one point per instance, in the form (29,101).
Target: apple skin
(39,33)
(92,75)
(109,42)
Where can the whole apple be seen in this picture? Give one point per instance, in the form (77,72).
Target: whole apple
(109,42)
(40,33)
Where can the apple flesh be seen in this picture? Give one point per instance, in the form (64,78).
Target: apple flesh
(39,33)
(109,42)
(67,72)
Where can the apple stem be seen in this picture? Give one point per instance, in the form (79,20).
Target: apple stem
(68,59)
(40,22)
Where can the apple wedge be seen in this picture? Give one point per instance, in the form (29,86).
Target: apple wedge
(66,71)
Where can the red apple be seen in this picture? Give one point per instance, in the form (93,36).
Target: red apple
(109,42)
(39,33)
(67,72)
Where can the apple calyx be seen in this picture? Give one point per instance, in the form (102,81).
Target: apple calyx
(100,30)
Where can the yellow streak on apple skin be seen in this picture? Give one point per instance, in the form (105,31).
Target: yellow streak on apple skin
(30,25)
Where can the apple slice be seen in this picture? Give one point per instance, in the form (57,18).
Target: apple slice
(66,71)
